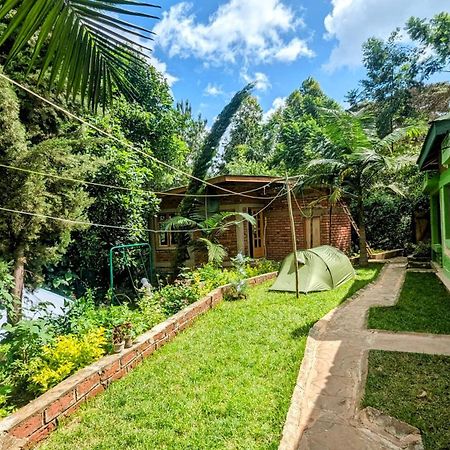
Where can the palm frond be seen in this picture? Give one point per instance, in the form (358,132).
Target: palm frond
(401,134)
(216,252)
(179,222)
(88,49)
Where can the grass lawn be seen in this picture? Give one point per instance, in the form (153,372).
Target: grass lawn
(225,383)
(414,388)
(424,306)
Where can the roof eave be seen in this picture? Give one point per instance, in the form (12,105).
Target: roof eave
(437,129)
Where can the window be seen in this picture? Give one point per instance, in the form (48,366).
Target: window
(446,211)
(165,239)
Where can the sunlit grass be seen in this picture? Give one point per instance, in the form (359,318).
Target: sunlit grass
(225,383)
(414,388)
(423,306)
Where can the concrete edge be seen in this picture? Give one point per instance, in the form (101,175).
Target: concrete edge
(441,275)
(293,428)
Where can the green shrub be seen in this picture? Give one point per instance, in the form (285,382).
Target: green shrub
(174,297)
(261,266)
(6,284)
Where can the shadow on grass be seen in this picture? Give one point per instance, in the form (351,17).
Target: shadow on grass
(303,330)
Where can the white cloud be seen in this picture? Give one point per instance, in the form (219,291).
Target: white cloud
(278,103)
(260,79)
(352,22)
(162,67)
(213,90)
(256,30)
(293,50)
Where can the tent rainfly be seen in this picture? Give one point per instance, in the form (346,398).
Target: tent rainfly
(320,269)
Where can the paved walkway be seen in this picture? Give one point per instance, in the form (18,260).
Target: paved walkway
(324,411)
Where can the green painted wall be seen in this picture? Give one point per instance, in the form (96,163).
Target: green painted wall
(439,189)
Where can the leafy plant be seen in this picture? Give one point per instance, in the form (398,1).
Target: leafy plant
(64,357)
(176,296)
(211,228)
(239,284)
(261,266)
(6,285)
(84,44)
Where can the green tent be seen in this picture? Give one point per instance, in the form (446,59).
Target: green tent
(320,269)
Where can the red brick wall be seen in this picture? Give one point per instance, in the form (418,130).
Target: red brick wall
(278,233)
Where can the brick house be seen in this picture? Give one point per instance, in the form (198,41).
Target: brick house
(271,237)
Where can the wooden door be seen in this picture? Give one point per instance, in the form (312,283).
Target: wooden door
(256,235)
(312,232)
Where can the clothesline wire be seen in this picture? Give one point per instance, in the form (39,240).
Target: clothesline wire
(143,191)
(115,138)
(119,227)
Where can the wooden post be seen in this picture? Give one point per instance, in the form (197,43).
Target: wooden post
(294,239)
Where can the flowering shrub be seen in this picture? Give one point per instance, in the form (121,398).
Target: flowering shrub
(65,356)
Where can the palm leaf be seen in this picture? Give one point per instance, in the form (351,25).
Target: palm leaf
(216,252)
(179,222)
(87,49)
(401,134)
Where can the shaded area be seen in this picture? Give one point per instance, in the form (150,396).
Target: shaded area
(414,388)
(224,383)
(423,306)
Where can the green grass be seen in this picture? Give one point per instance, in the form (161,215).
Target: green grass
(414,388)
(225,383)
(423,306)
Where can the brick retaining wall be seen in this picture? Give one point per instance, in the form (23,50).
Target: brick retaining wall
(36,420)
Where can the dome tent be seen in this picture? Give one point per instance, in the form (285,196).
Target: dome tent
(320,269)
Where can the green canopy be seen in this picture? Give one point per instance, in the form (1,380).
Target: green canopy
(320,269)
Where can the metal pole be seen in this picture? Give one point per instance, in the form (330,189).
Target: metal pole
(294,239)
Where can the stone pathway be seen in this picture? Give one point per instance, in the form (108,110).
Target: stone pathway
(324,411)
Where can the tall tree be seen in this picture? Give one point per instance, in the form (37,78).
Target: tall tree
(202,165)
(246,133)
(392,72)
(300,126)
(433,34)
(29,241)
(352,161)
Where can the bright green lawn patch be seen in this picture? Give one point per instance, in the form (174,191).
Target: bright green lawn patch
(424,306)
(225,383)
(414,388)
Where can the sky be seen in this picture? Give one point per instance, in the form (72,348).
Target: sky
(210,49)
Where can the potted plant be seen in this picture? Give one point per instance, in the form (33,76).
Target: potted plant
(118,338)
(128,334)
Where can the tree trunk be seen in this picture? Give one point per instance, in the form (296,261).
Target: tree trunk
(15,314)
(363,257)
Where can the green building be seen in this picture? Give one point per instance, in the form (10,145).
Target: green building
(434,159)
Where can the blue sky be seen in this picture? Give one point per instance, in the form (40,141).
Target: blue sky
(210,49)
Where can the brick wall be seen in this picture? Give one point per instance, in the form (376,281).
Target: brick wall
(278,233)
(35,421)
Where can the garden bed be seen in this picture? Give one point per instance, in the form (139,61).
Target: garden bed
(36,420)
(423,306)
(224,383)
(413,388)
